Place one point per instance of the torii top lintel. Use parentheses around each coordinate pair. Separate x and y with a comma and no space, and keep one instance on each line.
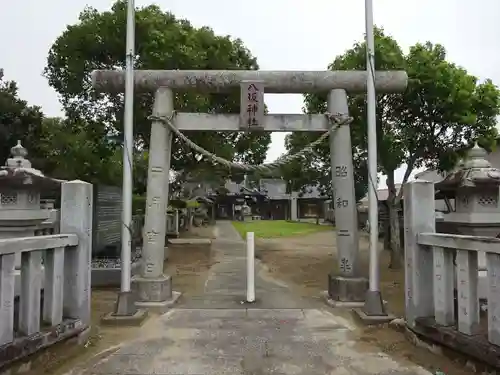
(284,82)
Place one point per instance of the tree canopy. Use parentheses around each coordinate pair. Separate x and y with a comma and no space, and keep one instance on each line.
(443,110)
(60,148)
(97,41)
(315,168)
(72,152)
(18,121)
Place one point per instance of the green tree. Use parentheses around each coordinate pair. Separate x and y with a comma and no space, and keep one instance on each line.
(18,121)
(215,177)
(70,152)
(59,148)
(97,41)
(315,168)
(140,173)
(443,109)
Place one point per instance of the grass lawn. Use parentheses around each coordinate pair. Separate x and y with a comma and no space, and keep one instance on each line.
(277,228)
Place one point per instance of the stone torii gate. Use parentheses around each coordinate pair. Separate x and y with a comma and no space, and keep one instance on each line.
(153,287)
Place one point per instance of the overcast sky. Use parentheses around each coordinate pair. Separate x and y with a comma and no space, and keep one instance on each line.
(283,34)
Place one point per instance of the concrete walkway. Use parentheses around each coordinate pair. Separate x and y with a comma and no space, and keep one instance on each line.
(215,333)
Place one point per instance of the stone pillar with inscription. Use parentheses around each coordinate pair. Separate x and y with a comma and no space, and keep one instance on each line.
(346,285)
(153,288)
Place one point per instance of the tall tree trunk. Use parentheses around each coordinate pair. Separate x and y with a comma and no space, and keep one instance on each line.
(387,233)
(396,259)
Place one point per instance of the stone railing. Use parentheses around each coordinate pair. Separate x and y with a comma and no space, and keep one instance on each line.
(441,271)
(37,318)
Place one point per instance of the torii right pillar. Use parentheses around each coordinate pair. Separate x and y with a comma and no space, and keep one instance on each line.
(346,286)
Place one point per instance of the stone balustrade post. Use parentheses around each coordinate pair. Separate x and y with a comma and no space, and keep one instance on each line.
(419,217)
(76,218)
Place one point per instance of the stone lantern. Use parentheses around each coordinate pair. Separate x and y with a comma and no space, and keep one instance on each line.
(20,186)
(475,186)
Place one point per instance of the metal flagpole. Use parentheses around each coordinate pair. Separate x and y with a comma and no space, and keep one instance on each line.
(373,303)
(125,305)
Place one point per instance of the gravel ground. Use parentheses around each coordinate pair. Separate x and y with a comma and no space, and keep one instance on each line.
(304,263)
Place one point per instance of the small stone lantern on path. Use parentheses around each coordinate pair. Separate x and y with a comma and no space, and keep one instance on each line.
(20,187)
(475,187)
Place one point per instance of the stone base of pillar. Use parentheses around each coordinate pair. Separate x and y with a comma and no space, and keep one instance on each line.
(374,310)
(126,312)
(125,304)
(154,294)
(347,289)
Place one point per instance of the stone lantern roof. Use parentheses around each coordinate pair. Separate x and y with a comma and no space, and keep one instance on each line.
(18,172)
(475,171)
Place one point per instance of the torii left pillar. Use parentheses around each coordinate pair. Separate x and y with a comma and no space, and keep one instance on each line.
(153,287)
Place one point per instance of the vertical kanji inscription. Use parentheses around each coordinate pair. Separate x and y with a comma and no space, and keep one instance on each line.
(252,105)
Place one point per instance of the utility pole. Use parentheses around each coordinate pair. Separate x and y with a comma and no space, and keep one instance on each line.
(126,304)
(373,303)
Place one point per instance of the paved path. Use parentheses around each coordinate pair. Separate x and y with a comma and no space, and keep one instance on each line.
(216,334)
(226,283)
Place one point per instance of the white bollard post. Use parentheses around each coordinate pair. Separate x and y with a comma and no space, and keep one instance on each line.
(250,267)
